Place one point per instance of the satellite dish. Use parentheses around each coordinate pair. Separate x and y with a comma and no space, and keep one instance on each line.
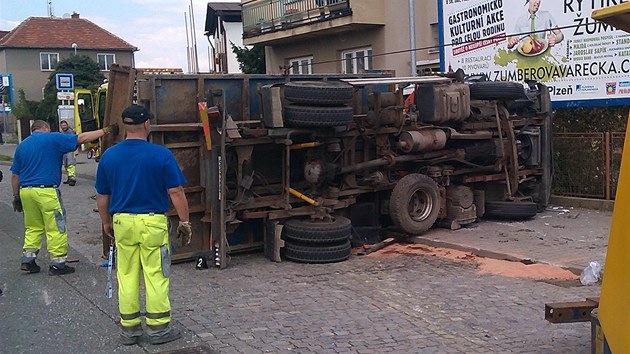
(66,15)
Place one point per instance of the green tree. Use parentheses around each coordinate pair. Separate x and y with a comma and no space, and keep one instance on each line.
(250,60)
(86,75)
(24,108)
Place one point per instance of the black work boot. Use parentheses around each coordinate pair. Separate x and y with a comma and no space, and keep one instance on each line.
(170,336)
(72,181)
(57,270)
(132,340)
(66,181)
(30,267)
(130,335)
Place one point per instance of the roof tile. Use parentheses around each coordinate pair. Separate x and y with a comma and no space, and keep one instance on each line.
(55,32)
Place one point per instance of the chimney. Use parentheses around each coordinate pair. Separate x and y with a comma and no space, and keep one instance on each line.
(74,15)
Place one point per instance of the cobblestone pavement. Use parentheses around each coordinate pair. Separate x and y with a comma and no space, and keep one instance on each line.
(404,304)
(368,304)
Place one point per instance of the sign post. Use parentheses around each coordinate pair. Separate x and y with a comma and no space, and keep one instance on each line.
(5,91)
(64,81)
(65,85)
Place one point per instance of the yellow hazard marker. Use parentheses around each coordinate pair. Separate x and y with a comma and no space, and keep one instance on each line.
(617,16)
(203,116)
(614,305)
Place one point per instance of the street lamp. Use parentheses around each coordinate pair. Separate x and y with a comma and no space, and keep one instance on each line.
(75,46)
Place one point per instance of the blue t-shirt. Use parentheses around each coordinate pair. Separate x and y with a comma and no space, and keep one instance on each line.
(38,158)
(137,175)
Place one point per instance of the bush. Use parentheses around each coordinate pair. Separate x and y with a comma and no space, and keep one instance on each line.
(590,119)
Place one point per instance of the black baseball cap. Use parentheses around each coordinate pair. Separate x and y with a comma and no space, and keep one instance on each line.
(135,114)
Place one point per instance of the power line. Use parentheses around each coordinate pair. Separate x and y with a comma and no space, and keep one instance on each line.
(446,45)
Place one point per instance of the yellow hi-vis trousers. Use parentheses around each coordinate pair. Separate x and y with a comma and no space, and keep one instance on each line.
(70,164)
(142,247)
(71,170)
(44,214)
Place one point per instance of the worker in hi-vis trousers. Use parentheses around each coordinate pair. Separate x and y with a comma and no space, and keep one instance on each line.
(69,159)
(134,181)
(36,176)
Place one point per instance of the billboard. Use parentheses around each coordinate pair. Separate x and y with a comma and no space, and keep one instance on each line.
(582,61)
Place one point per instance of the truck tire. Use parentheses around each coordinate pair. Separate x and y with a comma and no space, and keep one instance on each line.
(496,90)
(310,231)
(317,254)
(312,117)
(415,203)
(318,93)
(510,210)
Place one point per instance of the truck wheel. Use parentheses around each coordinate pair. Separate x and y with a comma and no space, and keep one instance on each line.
(306,116)
(510,210)
(496,90)
(317,254)
(317,231)
(415,203)
(318,93)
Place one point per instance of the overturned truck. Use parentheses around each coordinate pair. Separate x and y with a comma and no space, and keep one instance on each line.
(301,165)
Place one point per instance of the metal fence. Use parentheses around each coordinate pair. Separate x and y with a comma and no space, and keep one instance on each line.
(587,164)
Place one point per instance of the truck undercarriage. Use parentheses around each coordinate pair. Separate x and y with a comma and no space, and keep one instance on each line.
(299,164)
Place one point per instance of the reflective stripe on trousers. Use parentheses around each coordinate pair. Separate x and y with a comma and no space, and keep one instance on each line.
(44,214)
(142,247)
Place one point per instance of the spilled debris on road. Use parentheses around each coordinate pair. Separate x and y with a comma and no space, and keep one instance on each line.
(485,265)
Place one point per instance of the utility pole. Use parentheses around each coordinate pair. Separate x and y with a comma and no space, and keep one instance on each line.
(50,9)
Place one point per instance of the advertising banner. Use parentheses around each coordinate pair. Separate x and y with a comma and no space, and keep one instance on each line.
(582,61)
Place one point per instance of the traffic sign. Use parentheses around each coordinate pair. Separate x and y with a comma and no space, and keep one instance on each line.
(62,95)
(64,81)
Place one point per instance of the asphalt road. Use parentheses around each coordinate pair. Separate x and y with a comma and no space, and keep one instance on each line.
(59,314)
(42,311)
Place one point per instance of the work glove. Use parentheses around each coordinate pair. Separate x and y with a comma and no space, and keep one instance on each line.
(112,128)
(17,203)
(184,233)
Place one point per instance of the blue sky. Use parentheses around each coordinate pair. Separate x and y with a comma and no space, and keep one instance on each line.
(155,27)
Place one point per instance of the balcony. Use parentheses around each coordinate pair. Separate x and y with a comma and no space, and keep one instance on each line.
(269,21)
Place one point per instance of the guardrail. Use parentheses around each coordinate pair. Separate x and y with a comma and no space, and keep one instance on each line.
(261,16)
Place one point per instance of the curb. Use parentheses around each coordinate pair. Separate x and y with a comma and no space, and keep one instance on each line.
(490,254)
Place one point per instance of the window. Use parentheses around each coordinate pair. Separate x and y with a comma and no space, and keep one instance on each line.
(302,65)
(105,60)
(434,39)
(357,60)
(48,61)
